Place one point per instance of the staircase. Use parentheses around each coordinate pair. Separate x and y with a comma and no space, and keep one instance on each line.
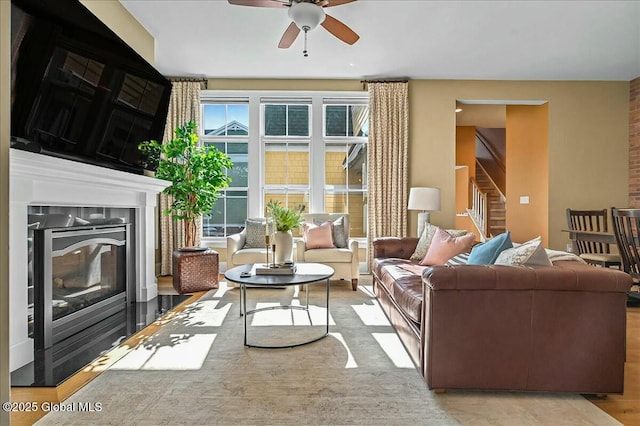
(496,211)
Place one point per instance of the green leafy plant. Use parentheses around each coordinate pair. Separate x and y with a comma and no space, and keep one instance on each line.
(196,173)
(286,219)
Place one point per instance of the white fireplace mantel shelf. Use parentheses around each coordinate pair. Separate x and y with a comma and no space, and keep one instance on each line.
(37,179)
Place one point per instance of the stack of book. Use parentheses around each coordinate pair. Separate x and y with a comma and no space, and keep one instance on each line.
(278,269)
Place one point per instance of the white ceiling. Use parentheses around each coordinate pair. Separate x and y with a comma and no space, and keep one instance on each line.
(503,40)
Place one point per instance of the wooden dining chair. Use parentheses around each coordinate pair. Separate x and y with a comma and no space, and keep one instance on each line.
(593,252)
(626,228)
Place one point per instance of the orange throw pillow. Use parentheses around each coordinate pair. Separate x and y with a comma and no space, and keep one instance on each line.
(443,247)
(318,236)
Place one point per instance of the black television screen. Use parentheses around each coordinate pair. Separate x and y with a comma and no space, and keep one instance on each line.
(78,91)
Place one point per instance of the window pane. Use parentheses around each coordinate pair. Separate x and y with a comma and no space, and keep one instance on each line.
(275,120)
(226,119)
(298,123)
(238,119)
(236,213)
(359,120)
(214,119)
(239,172)
(336,120)
(354,204)
(287,164)
(235,205)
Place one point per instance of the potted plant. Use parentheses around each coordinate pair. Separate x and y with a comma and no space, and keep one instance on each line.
(286,220)
(196,174)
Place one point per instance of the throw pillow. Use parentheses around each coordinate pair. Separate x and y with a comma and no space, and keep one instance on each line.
(529,253)
(458,259)
(256,231)
(486,253)
(338,232)
(317,236)
(424,242)
(443,247)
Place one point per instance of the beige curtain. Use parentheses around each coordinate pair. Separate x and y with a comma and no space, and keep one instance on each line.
(387,159)
(184,106)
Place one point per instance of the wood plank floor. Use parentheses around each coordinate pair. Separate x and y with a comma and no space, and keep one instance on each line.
(625,408)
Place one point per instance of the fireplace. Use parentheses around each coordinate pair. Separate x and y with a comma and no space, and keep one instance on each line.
(38,180)
(80,278)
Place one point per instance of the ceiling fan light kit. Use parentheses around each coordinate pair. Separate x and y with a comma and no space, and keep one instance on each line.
(306,15)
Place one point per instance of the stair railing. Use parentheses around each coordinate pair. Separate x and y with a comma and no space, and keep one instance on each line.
(491,181)
(479,209)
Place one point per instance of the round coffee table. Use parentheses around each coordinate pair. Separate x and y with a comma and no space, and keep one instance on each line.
(306,273)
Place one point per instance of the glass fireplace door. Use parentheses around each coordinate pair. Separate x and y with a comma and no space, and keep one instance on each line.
(80,278)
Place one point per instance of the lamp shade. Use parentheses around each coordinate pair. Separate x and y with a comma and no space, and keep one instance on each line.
(425,199)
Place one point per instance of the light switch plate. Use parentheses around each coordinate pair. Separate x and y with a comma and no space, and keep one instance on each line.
(524,199)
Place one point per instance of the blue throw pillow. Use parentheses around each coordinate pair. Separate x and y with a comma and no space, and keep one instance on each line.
(486,253)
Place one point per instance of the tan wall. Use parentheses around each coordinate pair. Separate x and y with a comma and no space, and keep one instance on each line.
(5,126)
(266,84)
(527,167)
(588,139)
(121,22)
(634,144)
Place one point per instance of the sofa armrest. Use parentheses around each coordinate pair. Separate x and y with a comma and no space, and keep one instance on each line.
(235,242)
(401,248)
(564,276)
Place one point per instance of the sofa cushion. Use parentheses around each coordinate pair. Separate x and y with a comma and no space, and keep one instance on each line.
(250,255)
(424,242)
(529,253)
(338,231)
(486,253)
(317,236)
(403,281)
(328,255)
(443,247)
(256,230)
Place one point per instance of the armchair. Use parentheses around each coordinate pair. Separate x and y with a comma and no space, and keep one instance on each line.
(248,245)
(343,258)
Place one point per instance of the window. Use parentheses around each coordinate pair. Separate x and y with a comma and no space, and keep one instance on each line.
(226,127)
(345,182)
(305,148)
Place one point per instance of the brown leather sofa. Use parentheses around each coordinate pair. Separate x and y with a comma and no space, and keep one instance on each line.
(554,328)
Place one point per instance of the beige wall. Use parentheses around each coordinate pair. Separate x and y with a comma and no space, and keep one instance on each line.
(588,139)
(5,83)
(121,22)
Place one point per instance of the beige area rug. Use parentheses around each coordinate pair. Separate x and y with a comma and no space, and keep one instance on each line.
(196,371)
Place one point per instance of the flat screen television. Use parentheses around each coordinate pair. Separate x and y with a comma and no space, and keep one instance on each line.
(78,91)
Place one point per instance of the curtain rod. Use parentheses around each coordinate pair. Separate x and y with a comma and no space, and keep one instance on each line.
(384,81)
(197,80)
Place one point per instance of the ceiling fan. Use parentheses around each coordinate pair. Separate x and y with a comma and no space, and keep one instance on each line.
(306,15)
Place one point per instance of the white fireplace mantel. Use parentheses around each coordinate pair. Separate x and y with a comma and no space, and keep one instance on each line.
(37,179)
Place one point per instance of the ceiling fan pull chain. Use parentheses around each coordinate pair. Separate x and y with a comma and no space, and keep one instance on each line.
(304,52)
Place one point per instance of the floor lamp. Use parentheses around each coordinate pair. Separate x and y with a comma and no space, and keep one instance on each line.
(425,200)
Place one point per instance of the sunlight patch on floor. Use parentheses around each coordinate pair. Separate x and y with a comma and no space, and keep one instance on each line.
(392,346)
(351,362)
(205,314)
(371,314)
(286,317)
(181,352)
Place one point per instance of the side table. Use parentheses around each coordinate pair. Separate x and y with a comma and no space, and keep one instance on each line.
(195,270)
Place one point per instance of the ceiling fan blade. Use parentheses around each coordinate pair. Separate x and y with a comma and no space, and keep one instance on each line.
(259,3)
(337,2)
(340,30)
(289,36)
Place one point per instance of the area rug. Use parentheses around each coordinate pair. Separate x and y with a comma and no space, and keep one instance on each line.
(196,371)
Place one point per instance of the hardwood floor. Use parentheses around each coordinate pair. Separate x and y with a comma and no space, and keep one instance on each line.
(625,408)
